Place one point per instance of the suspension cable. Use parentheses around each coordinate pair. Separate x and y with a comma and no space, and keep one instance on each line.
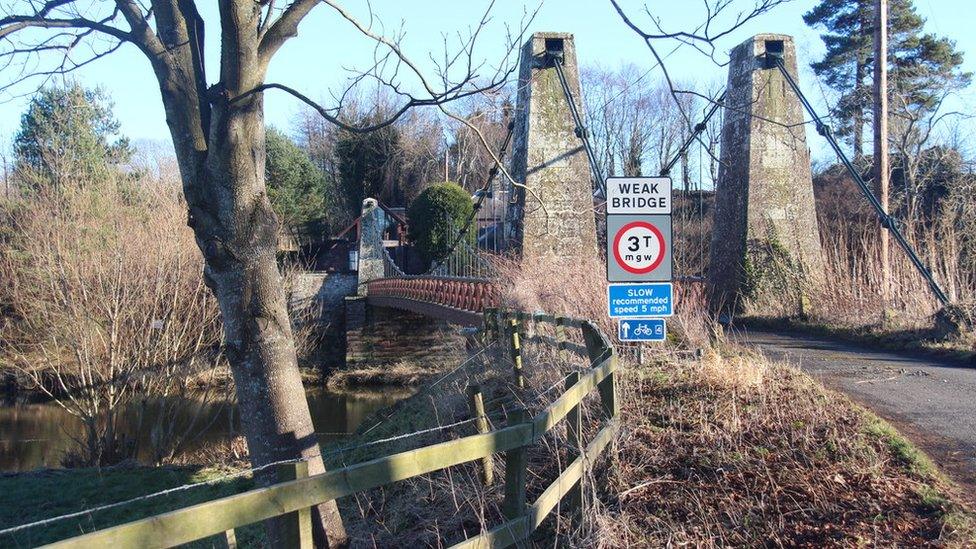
(887,221)
(483,192)
(699,128)
(557,58)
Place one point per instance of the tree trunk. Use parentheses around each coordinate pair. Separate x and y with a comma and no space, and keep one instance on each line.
(239,241)
(881,134)
(219,138)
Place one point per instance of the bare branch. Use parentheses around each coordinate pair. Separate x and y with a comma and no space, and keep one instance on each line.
(389,54)
(284,28)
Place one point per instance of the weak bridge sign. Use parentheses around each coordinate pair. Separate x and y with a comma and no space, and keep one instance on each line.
(639,195)
(639,253)
(639,229)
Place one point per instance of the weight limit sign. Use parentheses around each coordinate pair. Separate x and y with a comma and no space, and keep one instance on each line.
(639,248)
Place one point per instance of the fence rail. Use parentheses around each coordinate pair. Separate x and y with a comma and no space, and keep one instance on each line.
(296,497)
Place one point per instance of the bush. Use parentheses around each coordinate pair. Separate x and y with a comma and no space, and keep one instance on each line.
(436,216)
(104,305)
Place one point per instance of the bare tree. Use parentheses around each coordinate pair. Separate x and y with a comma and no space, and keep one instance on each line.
(106,308)
(490,114)
(718,19)
(218,135)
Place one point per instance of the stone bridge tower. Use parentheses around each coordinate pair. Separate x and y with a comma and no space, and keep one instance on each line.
(766,242)
(554,217)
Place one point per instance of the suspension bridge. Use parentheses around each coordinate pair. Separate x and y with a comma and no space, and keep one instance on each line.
(551,191)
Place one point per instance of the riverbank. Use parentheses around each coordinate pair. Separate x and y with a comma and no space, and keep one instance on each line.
(404,373)
(730,449)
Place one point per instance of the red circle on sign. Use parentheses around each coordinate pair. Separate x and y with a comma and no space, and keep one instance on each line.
(616,247)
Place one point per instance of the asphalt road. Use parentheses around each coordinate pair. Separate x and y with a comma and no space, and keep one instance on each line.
(932,402)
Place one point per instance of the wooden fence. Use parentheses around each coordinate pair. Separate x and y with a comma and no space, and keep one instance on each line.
(296,497)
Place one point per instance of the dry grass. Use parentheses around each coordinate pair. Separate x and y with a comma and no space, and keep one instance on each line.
(578,288)
(405,373)
(852,305)
(853,261)
(740,451)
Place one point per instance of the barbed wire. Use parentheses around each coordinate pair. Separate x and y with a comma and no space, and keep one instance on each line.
(252,470)
(146,497)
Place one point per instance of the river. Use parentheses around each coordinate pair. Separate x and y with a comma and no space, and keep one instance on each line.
(37,435)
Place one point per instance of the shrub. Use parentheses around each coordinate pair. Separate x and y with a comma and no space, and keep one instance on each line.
(105,305)
(436,216)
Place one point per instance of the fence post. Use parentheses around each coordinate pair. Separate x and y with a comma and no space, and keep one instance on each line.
(227,541)
(298,532)
(490,325)
(516,463)
(561,336)
(574,431)
(598,350)
(477,405)
(513,328)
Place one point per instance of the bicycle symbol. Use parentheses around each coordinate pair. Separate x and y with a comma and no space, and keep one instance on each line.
(643,330)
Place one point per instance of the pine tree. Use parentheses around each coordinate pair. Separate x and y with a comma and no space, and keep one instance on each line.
(68,137)
(299,191)
(922,66)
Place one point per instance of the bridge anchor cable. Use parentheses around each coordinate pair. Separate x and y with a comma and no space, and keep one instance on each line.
(556,58)
(887,221)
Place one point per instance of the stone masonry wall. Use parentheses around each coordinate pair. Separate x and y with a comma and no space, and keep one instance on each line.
(549,158)
(376,336)
(319,298)
(765,216)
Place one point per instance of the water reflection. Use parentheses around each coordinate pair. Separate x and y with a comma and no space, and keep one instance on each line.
(36,435)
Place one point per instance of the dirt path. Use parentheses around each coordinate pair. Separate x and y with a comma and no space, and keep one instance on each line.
(930,401)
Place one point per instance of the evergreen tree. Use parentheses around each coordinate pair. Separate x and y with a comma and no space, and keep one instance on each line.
(922,66)
(68,137)
(298,189)
(364,164)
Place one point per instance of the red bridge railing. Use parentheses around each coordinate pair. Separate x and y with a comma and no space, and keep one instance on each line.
(462,295)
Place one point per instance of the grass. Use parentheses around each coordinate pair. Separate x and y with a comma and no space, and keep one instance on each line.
(918,340)
(734,450)
(26,497)
(900,447)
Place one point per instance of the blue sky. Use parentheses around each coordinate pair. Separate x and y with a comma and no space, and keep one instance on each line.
(314,62)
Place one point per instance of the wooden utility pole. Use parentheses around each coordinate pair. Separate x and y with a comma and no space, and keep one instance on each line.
(881,133)
(6,177)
